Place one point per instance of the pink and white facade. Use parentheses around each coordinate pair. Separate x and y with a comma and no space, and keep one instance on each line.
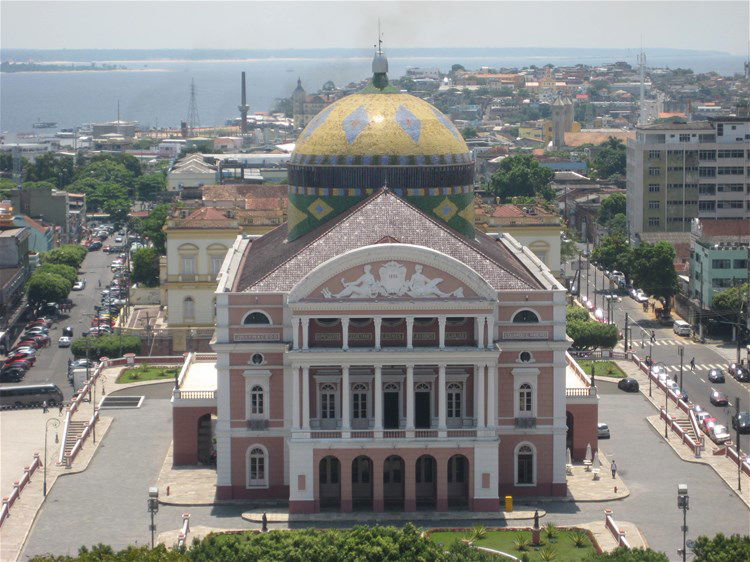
(384,361)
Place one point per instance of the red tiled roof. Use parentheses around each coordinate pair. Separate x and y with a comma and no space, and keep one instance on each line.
(274,264)
(725,227)
(204,217)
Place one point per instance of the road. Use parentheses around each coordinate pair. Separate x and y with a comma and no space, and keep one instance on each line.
(665,350)
(52,362)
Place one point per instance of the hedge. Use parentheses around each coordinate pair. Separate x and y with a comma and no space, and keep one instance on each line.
(105,346)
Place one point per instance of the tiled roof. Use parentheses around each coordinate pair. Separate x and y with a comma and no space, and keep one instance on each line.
(725,227)
(595,137)
(241,191)
(273,264)
(204,217)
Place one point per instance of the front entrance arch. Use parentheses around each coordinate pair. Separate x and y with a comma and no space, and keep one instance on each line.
(362,484)
(393,483)
(426,482)
(329,481)
(458,482)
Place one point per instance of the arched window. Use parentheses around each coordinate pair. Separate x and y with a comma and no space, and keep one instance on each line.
(525,465)
(256,318)
(359,401)
(257,400)
(455,390)
(188,307)
(526,317)
(391,387)
(525,398)
(327,401)
(257,467)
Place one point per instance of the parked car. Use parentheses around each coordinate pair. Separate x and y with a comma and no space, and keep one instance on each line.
(716,375)
(742,374)
(43,322)
(12,374)
(22,355)
(64,341)
(96,245)
(700,416)
(38,330)
(718,398)
(641,297)
(28,342)
(719,434)
(708,423)
(17,363)
(628,384)
(78,363)
(118,239)
(42,339)
(79,285)
(25,349)
(741,422)
(602,431)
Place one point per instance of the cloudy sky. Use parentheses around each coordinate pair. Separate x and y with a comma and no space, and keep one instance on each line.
(705,25)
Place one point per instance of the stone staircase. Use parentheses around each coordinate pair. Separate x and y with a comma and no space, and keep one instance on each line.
(75,429)
(687,427)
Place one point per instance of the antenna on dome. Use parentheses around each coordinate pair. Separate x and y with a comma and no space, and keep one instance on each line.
(379,64)
(380,39)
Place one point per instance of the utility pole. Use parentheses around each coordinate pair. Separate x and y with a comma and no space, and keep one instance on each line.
(737,441)
(681,350)
(700,312)
(627,318)
(594,289)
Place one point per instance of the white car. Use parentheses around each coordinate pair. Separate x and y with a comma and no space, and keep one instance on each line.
(64,341)
(641,297)
(719,433)
(79,285)
(118,239)
(702,415)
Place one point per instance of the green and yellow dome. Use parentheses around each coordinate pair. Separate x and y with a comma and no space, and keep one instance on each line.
(378,138)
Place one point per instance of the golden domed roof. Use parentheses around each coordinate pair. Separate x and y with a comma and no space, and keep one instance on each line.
(372,125)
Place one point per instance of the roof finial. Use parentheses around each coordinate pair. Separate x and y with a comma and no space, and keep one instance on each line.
(379,64)
(380,39)
(385,182)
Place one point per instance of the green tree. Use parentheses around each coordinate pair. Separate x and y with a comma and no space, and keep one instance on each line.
(522,176)
(145,144)
(609,160)
(146,267)
(590,334)
(109,172)
(728,300)
(469,133)
(618,225)
(151,227)
(99,192)
(652,269)
(148,186)
(613,253)
(105,346)
(128,160)
(722,548)
(576,313)
(456,67)
(622,554)
(58,169)
(65,271)
(67,254)
(611,205)
(47,287)
(6,185)
(118,210)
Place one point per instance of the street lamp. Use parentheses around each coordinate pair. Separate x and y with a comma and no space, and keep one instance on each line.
(683,503)
(153,509)
(55,423)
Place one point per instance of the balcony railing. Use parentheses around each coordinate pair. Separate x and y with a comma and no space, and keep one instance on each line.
(393,434)
(194,394)
(573,392)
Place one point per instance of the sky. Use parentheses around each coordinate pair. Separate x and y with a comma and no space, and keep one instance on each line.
(703,25)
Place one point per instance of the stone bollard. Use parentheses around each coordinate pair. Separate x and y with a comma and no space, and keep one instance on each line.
(186,521)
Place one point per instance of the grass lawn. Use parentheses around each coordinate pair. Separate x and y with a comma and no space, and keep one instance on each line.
(603,368)
(503,541)
(146,373)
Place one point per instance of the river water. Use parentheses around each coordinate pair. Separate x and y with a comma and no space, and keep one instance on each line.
(156,93)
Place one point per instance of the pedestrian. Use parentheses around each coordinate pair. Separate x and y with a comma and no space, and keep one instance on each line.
(614,469)
(692,364)
(61,405)
(45,409)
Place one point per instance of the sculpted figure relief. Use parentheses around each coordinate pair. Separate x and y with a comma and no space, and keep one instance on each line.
(392,283)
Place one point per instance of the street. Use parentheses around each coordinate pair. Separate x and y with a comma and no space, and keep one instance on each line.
(665,350)
(52,362)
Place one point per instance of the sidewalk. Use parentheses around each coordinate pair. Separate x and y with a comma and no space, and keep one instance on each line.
(724,467)
(186,485)
(18,424)
(279,515)
(583,488)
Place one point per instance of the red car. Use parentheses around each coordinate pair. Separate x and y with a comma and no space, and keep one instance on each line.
(25,356)
(708,423)
(43,322)
(17,363)
(30,342)
(41,339)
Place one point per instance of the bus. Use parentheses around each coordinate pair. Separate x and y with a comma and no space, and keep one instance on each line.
(30,395)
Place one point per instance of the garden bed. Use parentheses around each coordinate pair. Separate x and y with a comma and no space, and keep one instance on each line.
(603,368)
(146,373)
(509,540)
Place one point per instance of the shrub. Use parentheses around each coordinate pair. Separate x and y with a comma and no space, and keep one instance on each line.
(548,553)
(521,542)
(579,539)
(105,346)
(551,531)
(64,271)
(478,532)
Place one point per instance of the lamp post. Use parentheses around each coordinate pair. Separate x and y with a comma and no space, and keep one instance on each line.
(55,423)
(153,509)
(683,503)
(650,366)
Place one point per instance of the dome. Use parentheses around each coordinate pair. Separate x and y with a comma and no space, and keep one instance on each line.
(374,139)
(375,125)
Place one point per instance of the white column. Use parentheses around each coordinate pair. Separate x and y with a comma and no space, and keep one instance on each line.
(295,332)
(345,388)
(409,332)
(305,397)
(378,392)
(409,397)
(480,332)
(479,395)
(490,331)
(295,397)
(305,331)
(345,334)
(441,324)
(377,321)
(491,395)
(441,398)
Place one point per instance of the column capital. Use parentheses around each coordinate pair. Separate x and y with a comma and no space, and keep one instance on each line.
(442,319)
(409,319)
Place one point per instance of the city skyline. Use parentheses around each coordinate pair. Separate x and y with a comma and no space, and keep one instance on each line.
(300,25)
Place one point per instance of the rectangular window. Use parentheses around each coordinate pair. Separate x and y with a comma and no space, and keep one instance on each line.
(706,172)
(707,138)
(721,283)
(454,404)
(653,204)
(675,169)
(740,264)
(188,265)
(729,204)
(731,153)
(654,171)
(654,188)
(216,262)
(707,189)
(707,154)
(327,405)
(731,170)
(721,264)
(359,405)
(707,206)
(653,221)
(730,187)
(720,129)
(654,154)
(684,137)
(257,470)
(675,185)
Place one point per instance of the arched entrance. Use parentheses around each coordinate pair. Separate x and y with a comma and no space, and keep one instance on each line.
(205,437)
(569,434)
(393,483)
(329,481)
(458,482)
(362,484)
(426,482)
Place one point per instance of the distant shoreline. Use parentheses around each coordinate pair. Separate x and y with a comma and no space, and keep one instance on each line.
(98,71)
